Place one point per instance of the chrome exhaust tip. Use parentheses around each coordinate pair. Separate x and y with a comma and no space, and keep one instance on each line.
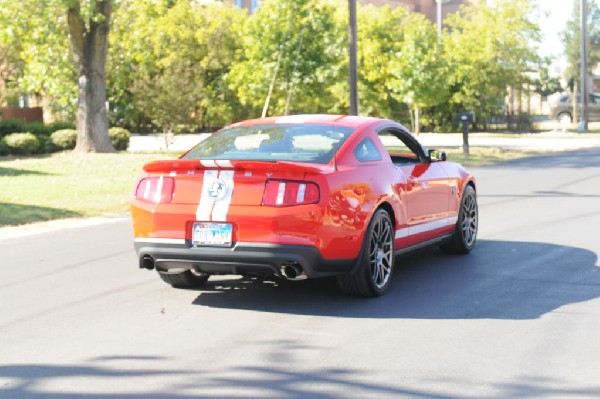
(293,272)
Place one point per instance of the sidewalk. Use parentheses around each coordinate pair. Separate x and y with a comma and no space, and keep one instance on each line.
(546,141)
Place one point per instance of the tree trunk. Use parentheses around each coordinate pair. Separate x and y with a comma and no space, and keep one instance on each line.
(90,45)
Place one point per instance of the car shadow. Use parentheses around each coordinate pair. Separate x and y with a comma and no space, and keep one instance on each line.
(498,280)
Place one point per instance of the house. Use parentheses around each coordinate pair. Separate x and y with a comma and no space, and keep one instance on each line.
(426,7)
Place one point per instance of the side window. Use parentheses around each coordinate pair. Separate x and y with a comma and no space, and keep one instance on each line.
(399,150)
(366,151)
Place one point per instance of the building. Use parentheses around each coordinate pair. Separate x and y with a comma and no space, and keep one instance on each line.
(426,7)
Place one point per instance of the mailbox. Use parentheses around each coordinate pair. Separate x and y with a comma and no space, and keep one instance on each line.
(465,117)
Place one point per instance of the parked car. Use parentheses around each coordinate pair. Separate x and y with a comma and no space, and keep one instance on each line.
(301,197)
(562,110)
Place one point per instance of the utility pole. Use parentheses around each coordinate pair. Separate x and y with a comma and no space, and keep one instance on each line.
(352,50)
(439,19)
(583,121)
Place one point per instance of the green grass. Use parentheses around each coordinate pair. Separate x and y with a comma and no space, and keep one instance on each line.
(480,156)
(68,185)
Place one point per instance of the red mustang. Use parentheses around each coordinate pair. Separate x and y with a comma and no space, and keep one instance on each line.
(301,196)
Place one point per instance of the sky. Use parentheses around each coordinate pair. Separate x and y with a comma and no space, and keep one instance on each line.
(559,12)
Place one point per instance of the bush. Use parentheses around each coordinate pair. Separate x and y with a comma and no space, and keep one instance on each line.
(61,126)
(119,137)
(64,139)
(11,126)
(3,148)
(22,143)
(38,128)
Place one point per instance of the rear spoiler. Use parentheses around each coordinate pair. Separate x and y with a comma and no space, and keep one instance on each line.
(184,165)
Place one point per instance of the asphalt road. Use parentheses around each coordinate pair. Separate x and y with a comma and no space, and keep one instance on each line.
(518,317)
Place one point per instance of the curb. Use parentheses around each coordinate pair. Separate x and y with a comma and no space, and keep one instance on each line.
(27,230)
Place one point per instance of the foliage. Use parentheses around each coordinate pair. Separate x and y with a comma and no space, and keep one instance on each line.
(37,34)
(186,65)
(11,126)
(399,62)
(292,54)
(489,49)
(22,143)
(119,137)
(545,85)
(37,128)
(181,52)
(572,43)
(64,139)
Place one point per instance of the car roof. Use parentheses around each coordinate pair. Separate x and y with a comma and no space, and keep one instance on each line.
(319,119)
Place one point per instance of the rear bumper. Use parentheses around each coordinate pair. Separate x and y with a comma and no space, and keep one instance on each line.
(171,255)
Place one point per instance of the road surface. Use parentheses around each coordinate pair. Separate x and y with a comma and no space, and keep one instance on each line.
(518,317)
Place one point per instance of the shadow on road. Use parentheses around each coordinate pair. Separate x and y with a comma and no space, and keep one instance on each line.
(111,379)
(498,280)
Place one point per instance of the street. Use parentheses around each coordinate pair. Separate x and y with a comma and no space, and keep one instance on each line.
(518,317)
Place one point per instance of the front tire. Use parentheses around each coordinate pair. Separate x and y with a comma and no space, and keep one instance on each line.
(465,233)
(372,276)
(186,279)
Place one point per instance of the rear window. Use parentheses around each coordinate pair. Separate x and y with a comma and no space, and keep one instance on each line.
(273,142)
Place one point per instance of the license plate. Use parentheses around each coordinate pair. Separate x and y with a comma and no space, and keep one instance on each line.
(208,233)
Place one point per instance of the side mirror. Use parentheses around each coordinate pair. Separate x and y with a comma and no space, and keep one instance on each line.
(435,155)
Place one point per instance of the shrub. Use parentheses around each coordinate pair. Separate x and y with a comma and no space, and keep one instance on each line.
(22,143)
(61,126)
(11,126)
(38,128)
(3,148)
(64,139)
(119,137)
(46,145)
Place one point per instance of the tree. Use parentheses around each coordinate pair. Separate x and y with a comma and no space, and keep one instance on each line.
(183,51)
(88,30)
(44,30)
(544,84)
(39,58)
(571,38)
(489,48)
(292,54)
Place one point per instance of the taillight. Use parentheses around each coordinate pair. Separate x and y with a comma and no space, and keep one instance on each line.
(289,192)
(157,190)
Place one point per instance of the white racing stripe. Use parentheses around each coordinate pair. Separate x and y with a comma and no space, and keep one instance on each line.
(210,209)
(206,203)
(220,209)
(425,227)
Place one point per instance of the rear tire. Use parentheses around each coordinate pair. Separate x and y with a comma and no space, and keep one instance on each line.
(465,233)
(372,276)
(186,279)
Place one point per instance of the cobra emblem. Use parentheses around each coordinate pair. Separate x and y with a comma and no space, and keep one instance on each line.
(218,190)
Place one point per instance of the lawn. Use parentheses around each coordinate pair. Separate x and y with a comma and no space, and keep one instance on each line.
(67,185)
